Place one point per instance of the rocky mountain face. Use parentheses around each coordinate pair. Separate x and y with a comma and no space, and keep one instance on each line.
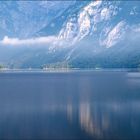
(106,21)
(89,34)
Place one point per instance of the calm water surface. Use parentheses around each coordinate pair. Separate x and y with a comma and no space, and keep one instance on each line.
(70,105)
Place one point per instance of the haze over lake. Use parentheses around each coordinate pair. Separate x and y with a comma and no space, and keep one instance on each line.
(70,105)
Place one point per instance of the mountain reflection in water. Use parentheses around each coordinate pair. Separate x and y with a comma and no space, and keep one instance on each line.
(71,105)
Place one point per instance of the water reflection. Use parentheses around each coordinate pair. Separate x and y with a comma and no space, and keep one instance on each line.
(88,122)
(79,105)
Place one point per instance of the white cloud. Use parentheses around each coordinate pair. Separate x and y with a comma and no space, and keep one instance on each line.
(50,40)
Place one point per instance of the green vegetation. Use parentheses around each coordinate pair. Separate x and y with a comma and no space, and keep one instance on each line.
(1,66)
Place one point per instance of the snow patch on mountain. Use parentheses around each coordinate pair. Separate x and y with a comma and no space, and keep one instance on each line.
(86,21)
(115,35)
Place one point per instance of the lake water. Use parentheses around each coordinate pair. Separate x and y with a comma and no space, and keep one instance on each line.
(70,105)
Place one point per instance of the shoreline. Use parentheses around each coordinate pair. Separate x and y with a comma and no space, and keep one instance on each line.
(51,70)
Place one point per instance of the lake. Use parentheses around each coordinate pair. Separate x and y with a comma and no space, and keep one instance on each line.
(70,105)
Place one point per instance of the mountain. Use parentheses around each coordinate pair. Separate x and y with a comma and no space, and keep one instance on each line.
(81,34)
(23,19)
